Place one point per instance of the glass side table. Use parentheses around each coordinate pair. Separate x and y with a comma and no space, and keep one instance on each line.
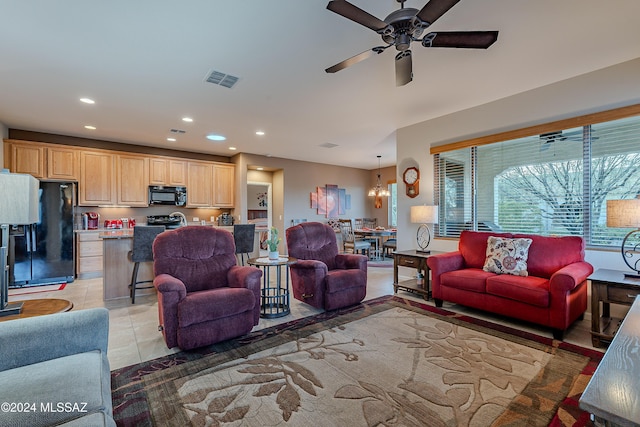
(274,295)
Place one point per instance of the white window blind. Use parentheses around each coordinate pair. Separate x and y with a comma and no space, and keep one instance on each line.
(556,183)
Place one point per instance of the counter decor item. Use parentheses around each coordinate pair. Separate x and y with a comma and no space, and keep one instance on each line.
(273,243)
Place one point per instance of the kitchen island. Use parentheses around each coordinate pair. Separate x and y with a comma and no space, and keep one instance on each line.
(117,268)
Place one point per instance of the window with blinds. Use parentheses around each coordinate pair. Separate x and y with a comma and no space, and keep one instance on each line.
(554,183)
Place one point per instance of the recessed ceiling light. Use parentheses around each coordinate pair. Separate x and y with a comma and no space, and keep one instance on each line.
(187,119)
(90,127)
(232,148)
(171,139)
(215,137)
(260,169)
(87,100)
(259,132)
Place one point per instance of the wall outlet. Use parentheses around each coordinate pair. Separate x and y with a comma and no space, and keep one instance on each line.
(196,219)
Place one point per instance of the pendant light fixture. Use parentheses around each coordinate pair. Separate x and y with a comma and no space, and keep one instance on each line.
(378,190)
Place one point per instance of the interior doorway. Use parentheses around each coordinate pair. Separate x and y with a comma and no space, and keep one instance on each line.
(260,209)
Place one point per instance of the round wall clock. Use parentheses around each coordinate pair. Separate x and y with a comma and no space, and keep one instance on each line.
(411,178)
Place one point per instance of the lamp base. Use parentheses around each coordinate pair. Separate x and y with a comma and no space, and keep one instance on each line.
(12,308)
(631,276)
(423,251)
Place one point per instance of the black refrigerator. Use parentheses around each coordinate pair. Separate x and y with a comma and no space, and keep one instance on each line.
(43,253)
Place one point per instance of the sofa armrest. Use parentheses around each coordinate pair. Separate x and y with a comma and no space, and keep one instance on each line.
(351,261)
(37,339)
(570,276)
(165,283)
(441,263)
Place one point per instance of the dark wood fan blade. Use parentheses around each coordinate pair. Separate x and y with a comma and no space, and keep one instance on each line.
(461,39)
(404,68)
(354,60)
(434,9)
(354,13)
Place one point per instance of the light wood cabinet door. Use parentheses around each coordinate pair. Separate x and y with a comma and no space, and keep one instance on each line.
(28,158)
(158,171)
(223,189)
(97,184)
(63,163)
(132,180)
(167,172)
(178,173)
(200,182)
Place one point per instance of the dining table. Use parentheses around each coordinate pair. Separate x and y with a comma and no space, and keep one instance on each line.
(377,234)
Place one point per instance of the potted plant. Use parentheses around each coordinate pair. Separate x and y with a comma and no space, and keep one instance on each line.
(273,242)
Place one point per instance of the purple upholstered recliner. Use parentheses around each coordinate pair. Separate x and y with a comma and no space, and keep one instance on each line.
(203,296)
(322,277)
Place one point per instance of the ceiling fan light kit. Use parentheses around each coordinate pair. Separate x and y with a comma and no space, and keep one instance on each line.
(404,26)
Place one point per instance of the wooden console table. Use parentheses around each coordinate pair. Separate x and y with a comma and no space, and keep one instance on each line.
(609,286)
(417,260)
(613,393)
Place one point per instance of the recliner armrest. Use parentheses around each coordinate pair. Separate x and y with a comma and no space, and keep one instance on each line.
(351,261)
(166,283)
(570,276)
(36,339)
(244,277)
(309,264)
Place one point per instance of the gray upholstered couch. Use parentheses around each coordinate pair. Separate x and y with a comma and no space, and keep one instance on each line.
(54,370)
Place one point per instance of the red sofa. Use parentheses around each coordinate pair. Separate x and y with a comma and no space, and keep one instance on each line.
(553,294)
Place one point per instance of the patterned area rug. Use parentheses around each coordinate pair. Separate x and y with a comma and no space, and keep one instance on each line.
(388,361)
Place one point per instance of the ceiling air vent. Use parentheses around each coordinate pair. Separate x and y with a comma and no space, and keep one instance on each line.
(222,79)
(328,145)
(178,131)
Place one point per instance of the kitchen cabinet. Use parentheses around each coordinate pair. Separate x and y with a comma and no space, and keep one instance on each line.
(223,185)
(166,171)
(199,184)
(63,163)
(89,255)
(132,178)
(28,158)
(43,161)
(97,184)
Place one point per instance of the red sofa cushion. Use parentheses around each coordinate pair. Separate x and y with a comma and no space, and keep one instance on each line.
(531,290)
(549,254)
(473,247)
(469,279)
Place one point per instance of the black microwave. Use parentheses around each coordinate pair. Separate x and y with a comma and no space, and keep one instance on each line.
(164,195)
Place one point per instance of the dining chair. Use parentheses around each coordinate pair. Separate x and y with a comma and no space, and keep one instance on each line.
(358,223)
(369,222)
(349,241)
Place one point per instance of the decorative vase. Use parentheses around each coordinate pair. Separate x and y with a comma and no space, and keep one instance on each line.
(274,255)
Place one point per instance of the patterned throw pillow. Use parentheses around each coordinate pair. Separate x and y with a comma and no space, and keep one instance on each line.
(507,256)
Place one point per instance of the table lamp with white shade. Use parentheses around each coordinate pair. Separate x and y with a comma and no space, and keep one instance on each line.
(626,214)
(424,215)
(19,205)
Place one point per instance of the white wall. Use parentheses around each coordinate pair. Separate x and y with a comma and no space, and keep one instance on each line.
(601,90)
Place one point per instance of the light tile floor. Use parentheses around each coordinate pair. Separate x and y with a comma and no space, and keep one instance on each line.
(134,335)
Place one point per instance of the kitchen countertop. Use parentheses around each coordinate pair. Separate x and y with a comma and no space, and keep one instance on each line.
(127,233)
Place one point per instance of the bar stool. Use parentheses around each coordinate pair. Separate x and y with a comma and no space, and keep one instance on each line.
(244,236)
(143,237)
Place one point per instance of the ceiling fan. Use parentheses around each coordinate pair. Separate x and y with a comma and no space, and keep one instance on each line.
(404,26)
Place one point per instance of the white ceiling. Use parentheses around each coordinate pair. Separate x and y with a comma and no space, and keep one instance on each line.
(145,62)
